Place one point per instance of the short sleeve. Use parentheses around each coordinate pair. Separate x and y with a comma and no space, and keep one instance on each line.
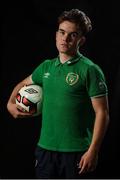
(95,82)
(37,75)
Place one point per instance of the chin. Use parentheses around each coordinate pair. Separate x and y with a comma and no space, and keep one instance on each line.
(63,50)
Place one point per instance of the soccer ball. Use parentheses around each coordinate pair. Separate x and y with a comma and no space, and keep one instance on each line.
(30,99)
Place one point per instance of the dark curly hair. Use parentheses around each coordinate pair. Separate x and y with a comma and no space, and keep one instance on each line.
(79,18)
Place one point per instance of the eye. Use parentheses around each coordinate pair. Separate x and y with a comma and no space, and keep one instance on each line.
(61,32)
(74,35)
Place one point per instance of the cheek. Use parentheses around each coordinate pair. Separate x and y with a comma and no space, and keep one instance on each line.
(57,44)
(76,42)
(57,40)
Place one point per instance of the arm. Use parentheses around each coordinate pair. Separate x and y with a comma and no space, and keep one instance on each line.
(100,106)
(89,159)
(11,105)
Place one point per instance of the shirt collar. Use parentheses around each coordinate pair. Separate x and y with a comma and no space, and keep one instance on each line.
(70,61)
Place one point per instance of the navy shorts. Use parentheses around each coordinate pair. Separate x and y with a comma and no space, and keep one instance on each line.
(59,165)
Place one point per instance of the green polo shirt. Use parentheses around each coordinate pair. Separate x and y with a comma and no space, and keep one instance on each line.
(67,115)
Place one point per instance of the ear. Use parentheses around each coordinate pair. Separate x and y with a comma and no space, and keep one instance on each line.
(82,40)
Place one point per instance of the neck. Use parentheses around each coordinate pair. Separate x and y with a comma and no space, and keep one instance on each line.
(65,57)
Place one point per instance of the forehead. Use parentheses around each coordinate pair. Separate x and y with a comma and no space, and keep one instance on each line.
(68,26)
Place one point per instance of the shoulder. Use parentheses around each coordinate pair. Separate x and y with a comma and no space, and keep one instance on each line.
(90,64)
(48,62)
(88,68)
(87,61)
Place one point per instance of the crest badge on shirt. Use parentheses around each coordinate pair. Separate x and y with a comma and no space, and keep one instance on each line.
(102,85)
(72,78)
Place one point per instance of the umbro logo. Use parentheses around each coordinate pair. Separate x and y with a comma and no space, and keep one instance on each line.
(46,75)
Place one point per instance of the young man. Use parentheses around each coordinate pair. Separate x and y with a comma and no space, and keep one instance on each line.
(75,107)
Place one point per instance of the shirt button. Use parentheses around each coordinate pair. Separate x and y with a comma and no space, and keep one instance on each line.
(68,62)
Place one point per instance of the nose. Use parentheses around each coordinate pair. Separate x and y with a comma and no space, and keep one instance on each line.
(66,38)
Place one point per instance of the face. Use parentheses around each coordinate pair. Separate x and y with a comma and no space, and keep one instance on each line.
(67,38)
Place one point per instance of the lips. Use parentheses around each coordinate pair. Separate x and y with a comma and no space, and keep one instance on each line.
(64,45)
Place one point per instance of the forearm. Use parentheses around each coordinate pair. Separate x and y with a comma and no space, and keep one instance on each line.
(14,93)
(100,127)
(26,81)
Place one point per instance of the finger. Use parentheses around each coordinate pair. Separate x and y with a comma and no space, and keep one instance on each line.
(83,169)
(24,115)
(81,163)
(20,109)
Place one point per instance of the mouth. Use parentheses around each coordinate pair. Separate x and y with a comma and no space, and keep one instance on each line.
(64,45)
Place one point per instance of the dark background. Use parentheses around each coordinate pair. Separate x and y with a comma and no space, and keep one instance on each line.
(28,37)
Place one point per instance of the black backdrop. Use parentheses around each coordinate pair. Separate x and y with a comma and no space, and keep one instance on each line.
(28,37)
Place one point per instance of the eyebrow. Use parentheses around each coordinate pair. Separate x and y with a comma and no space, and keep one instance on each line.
(70,32)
